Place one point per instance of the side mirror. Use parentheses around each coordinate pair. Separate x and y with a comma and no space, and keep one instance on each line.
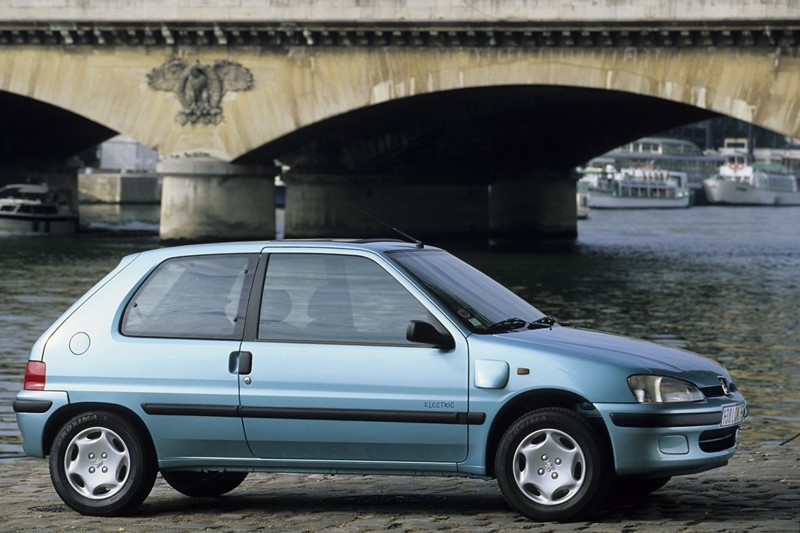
(424,332)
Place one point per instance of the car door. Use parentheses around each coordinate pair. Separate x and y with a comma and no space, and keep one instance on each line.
(176,336)
(333,377)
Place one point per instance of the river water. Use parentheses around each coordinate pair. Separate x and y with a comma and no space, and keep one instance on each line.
(720,281)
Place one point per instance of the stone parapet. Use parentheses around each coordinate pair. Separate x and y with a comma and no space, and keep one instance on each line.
(371,11)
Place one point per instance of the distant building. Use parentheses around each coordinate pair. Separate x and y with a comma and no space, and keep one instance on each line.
(124,154)
(126,173)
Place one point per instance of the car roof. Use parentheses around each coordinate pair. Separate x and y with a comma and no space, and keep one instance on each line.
(372,245)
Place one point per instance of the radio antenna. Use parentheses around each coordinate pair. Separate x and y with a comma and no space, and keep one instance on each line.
(396,230)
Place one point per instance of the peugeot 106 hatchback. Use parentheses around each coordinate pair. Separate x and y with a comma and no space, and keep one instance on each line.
(209,362)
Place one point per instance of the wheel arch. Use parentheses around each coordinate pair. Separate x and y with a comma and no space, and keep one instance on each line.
(61,416)
(536,399)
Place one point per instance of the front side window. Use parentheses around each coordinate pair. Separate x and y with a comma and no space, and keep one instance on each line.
(201,297)
(476,299)
(335,298)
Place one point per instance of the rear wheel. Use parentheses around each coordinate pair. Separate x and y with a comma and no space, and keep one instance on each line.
(551,465)
(100,465)
(203,484)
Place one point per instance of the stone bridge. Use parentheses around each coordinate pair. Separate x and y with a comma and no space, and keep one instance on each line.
(449,118)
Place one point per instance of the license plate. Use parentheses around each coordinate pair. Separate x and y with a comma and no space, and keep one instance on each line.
(732,415)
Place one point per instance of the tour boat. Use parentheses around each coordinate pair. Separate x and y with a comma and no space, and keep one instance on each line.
(35,208)
(636,188)
(663,153)
(741,183)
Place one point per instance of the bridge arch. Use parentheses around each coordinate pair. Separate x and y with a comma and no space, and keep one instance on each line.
(300,86)
(307,69)
(476,134)
(37,131)
(38,142)
(301,95)
(743,84)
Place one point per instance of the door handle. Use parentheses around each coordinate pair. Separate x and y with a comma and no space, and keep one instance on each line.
(240,363)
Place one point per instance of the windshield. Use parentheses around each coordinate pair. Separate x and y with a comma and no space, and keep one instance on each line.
(477,300)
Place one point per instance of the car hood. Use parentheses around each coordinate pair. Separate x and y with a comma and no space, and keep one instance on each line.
(636,354)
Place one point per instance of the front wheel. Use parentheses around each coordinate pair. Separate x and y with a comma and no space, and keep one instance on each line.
(551,465)
(203,484)
(100,465)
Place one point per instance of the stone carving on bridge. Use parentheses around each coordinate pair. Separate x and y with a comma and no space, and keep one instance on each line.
(199,87)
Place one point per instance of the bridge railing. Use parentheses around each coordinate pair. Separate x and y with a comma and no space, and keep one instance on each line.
(412,11)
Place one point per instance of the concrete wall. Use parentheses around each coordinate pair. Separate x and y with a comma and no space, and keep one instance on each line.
(116,188)
(398,10)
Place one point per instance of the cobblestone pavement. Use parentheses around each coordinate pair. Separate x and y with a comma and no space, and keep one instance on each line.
(759,491)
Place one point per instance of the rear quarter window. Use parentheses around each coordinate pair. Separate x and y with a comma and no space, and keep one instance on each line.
(199,297)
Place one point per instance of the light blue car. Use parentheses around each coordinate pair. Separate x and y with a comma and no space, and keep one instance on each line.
(208,362)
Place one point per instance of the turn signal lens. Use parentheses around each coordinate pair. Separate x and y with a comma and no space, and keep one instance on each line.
(663,389)
(34,375)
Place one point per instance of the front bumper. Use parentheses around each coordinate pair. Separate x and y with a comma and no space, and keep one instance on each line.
(33,410)
(671,439)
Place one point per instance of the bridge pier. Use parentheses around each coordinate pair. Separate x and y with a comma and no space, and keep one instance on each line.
(523,213)
(204,199)
(324,206)
(533,212)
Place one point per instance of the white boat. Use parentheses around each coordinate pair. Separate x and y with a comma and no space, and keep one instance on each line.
(666,154)
(35,208)
(741,183)
(636,188)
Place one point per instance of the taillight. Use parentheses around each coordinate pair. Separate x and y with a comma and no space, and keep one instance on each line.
(34,375)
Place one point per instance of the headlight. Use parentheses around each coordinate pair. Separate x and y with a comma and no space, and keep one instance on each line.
(663,389)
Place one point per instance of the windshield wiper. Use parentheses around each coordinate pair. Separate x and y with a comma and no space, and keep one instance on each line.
(544,322)
(506,325)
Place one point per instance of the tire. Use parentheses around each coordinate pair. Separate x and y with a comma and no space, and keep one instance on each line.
(100,465)
(552,465)
(203,484)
